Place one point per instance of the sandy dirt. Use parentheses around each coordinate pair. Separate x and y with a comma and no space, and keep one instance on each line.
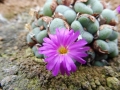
(10,8)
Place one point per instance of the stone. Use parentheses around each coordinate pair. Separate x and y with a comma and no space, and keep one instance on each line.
(101,88)
(93,85)
(86,85)
(11,70)
(1,38)
(113,83)
(97,82)
(109,71)
(7,81)
(3,20)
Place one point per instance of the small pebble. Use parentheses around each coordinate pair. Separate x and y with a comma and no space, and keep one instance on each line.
(12,59)
(1,38)
(15,47)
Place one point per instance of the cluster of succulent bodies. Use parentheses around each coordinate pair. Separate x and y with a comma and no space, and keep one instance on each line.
(96,23)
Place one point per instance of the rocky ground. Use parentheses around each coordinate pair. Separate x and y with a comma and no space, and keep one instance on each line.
(20,70)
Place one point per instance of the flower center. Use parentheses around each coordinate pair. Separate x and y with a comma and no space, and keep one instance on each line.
(62,50)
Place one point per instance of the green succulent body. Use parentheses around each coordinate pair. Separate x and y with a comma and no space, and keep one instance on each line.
(62,9)
(105,33)
(40,22)
(87,36)
(97,7)
(36,52)
(42,34)
(82,8)
(76,25)
(47,9)
(93,27)
(113,35)
(70,15)
(102,45)
(56,23)
(84,21)
(89,17)
(28,38)
(112,46)
(107,17)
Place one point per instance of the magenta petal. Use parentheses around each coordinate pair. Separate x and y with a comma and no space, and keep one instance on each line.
(80,60)
(50,58)
(54,39)
(62,68)
(80,54)
(56,68)
(51,54)
(68,73)
(71,63)
(46,52)
(63,62)
(75,36)
(49,41)
(66,61)
(72,38)
(73,66)
(77,58)
(84,48)
(51,64)
(118,9)
(78,44)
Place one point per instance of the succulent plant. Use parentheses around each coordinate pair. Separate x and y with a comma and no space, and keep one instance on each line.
(95,22)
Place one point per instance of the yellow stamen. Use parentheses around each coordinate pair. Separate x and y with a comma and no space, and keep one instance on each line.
(62,50)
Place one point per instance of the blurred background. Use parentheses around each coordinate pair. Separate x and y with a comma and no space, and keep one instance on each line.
(11,8)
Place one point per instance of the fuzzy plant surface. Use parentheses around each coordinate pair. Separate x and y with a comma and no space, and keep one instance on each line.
(66,32)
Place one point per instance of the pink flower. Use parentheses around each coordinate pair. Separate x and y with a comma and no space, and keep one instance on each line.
(62,49)
(118,9)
